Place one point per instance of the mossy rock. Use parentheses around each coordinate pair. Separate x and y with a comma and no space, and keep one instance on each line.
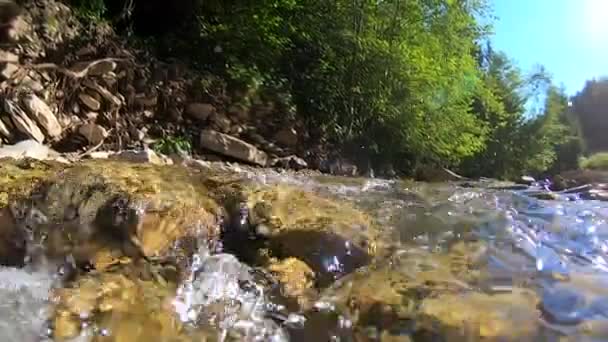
(329,235)
(390,292)
(123,305)
(140,209)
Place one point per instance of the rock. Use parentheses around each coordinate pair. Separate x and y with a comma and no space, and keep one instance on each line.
(28,148)
(232,147)
(94,133)
(290,162)
(105,94)
(527,180)
(7,70)
(22,122)
(120,303)
(31,83)
(147,156)
(224,291)
(332,229)
(5,131)
(101,204)
(287,137)
(146,101)
(296,279)
(100,154)
(89,101)
(221,123)
(102,67)
(8,57)
(239,112)
(200,111)
(42,113)
(505,315)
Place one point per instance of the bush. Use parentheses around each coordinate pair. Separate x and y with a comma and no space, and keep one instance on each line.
(598,161)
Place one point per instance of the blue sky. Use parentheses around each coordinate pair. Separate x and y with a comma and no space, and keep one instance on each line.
(568,37)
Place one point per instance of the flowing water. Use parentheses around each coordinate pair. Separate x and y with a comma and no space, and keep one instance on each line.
(463,262)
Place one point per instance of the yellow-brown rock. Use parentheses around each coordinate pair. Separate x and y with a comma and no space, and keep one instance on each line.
(126,308)
(296,279)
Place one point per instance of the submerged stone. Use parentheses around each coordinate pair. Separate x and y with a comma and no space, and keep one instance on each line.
(338,237)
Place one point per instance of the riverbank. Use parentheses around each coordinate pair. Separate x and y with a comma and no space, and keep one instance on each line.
(79,89)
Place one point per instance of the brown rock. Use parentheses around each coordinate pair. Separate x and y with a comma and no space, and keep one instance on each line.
(239,112)
(89,101)
(102,68)
(94,134)
(200,111)
(42,113)
(22,122)
(287,137)
(103,92)
(7,70)
(8,57)
(232,147)
(295,276)
(143,156)
(221,123)
(4,131)
(146,101)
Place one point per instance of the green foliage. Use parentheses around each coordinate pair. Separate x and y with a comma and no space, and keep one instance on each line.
(171,145)
(598,161)
(93,10)
(590,109)
(403,81)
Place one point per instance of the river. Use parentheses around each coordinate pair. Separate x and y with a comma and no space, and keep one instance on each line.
(467,261)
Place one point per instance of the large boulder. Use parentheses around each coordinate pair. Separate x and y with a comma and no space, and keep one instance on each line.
(232,147)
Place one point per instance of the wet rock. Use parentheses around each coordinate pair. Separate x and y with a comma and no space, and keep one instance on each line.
(233,147)
(506,315)
(527,180)
(296,279)
(120,304)
(287,137)
(94,133)
(12,241)
(339,237)
(138,208)
(22,122)
(200,111)
(42,113)
(28,149)
(224,293)
(89,101)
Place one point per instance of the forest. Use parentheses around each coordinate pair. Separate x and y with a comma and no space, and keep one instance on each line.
(406,82)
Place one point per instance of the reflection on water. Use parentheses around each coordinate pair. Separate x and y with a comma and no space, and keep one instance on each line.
(459,262)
